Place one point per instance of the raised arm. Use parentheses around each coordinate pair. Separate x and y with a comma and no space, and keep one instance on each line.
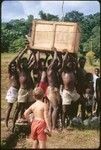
(32,61)
(14,59)
(47,55)
(60,61)
(30,57)
(22,53)
(54,58)
(64,59)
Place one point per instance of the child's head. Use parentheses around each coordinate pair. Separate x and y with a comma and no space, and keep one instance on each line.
(38,93)
(97,71)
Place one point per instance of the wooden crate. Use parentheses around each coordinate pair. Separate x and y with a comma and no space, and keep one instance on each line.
(61,35)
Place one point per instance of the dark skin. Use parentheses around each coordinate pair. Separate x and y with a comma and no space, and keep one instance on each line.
(69,64)
(81,79)
(68,84)
(89,90)
(35,72)
(81,75)
(39,69)
(14,82)
(24,67)
(60,68)
(97,71)
(43,71)
(42,66)
(53,77)
(98,94)
(52,72)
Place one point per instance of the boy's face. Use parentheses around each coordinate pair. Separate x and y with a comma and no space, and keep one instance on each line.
(97,72)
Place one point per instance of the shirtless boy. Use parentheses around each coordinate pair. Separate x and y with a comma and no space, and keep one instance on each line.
(25,90)
(68,94)
(12,93)
(40,121)
(53,89)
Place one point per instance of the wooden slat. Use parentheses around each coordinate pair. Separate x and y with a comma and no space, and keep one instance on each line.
(54,30)
(33,32)
(44,37)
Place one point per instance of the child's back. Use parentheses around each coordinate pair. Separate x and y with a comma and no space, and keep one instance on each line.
(40,121)
(38,109)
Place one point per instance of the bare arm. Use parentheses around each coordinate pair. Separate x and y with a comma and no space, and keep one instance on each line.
(32,60)
(14,59)
(64,60)
(22,52)
(46,117)
(27,112)
(38,56)
(60,61)
(47,55)
(43,75)
(54,58)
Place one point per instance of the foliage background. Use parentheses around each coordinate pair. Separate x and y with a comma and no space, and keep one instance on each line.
(13,32)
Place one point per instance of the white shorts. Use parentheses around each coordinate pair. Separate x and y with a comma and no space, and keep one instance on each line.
(68,96)
(12,95)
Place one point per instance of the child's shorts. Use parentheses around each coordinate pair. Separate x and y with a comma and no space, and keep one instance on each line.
(37,130)
(12,95)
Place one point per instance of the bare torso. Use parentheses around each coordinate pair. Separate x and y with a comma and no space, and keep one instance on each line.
(38,110)
(52,76)
(23,80)
(68,81)
(14,81)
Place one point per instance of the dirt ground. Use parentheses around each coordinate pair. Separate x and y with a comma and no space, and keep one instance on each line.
(79,139)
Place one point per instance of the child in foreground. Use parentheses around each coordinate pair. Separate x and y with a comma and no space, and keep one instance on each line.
(40,126)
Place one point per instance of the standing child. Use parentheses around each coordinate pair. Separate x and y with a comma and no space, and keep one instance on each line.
(40,125)
(68,95)
(12,93)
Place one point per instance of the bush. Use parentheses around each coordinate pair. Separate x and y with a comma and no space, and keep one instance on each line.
(17,44)
(90,56)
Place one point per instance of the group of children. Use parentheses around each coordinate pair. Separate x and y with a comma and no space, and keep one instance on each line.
(52,87)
